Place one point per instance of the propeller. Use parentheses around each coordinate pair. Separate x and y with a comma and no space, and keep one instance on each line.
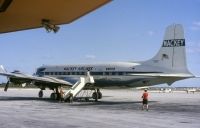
(7,85)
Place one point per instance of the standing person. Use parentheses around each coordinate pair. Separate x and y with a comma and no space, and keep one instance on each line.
(62,93)
(145,100)
(71,98)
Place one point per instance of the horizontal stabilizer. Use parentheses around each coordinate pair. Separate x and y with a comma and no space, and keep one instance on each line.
(180,75)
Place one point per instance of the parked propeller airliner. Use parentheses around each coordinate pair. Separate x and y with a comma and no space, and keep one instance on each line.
(167,66)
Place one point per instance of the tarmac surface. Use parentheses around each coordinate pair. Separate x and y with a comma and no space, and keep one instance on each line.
(20,108)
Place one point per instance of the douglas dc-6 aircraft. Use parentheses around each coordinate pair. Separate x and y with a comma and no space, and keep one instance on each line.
(167,66)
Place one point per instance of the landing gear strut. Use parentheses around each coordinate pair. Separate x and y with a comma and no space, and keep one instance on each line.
(55,95)
(40,94)
(97,94)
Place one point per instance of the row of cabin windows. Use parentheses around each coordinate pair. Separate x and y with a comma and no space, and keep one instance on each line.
(83,73)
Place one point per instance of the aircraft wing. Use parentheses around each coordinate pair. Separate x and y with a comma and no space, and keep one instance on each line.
(18,15)
(23,78)
(52,80)
(20,78)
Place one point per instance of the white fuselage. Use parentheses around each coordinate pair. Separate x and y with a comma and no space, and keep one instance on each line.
(105,75)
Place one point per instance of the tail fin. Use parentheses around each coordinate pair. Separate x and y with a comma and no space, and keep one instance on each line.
(172,53)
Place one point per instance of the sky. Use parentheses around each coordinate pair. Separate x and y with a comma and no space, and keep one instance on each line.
(122,30)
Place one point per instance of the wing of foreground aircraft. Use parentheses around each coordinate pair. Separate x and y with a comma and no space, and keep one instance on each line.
(18,15)
(20,78)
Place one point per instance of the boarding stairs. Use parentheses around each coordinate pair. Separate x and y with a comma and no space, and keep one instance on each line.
(78,86)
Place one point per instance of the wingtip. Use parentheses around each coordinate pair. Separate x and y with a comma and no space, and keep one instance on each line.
(2,69)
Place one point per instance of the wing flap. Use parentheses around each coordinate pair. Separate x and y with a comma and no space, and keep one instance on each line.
(51,80)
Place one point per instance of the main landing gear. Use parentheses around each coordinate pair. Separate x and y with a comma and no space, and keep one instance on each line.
(55,95)
(97,94)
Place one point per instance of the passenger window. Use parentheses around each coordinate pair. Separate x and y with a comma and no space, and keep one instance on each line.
(120,73)
(113,73)
(107,73)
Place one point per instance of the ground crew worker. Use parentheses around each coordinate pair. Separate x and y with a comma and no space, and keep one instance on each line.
(71,98)
(145,100)
(61,94)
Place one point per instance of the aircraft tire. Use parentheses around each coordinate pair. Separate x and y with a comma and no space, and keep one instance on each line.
(53,96)
(40,94)
(99,95)
(95,96)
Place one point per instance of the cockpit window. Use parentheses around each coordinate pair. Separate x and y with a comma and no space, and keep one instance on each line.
(40,71)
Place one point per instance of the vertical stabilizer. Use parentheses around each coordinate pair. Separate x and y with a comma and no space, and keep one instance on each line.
(172,53)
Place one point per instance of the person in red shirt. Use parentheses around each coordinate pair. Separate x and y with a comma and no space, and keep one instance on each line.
(145,100)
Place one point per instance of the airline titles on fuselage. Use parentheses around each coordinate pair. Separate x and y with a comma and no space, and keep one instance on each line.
(86,68)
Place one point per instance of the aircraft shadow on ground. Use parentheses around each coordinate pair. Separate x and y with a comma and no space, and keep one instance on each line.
(89,103)
(80,102)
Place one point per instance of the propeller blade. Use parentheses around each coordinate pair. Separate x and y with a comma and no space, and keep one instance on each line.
(7,85)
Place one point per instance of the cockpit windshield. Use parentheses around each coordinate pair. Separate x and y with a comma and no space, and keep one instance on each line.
(40,71)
